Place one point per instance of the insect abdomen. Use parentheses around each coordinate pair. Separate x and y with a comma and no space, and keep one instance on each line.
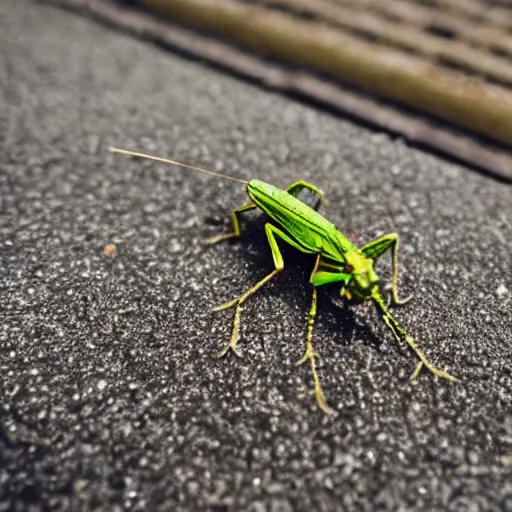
(308,227)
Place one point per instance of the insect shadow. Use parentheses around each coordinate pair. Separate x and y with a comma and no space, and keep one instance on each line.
(339,318)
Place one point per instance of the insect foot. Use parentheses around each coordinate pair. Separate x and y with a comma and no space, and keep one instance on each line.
(310,355)
(425,362)
(219,238)
(401,302)
(417,371)
(235,336)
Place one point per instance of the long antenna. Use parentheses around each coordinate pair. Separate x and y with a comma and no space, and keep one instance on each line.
(167,161)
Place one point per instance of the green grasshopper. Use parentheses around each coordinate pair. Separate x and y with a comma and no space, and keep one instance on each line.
(338,260)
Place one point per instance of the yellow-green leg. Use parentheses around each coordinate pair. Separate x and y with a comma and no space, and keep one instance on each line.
(399,333)
(422,357)
(310,355)
(236,225)
(376,248)
(272,232)
(235,334)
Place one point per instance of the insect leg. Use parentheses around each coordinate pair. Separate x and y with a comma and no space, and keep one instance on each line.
(297,190)
(271,231)
(235,334)
(376,248)
(310,355)
(400,333)
(236,225)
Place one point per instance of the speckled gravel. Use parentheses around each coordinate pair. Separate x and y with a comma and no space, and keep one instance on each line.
(111,396)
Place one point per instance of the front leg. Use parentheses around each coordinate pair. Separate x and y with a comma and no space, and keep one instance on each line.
(379,246)
(310,354)
(400,334)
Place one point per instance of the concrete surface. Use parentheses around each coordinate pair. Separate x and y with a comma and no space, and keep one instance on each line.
(111,396)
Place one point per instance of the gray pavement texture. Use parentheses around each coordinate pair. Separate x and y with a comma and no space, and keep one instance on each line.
(111,395)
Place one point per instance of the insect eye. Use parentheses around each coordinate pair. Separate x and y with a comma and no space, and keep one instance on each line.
(348,269)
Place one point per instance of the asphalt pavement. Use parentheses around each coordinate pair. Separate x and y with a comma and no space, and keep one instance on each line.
(111,397)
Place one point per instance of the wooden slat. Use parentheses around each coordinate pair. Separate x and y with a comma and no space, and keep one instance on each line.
(403,36)
(417,14)
(386,72)
(491,159)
